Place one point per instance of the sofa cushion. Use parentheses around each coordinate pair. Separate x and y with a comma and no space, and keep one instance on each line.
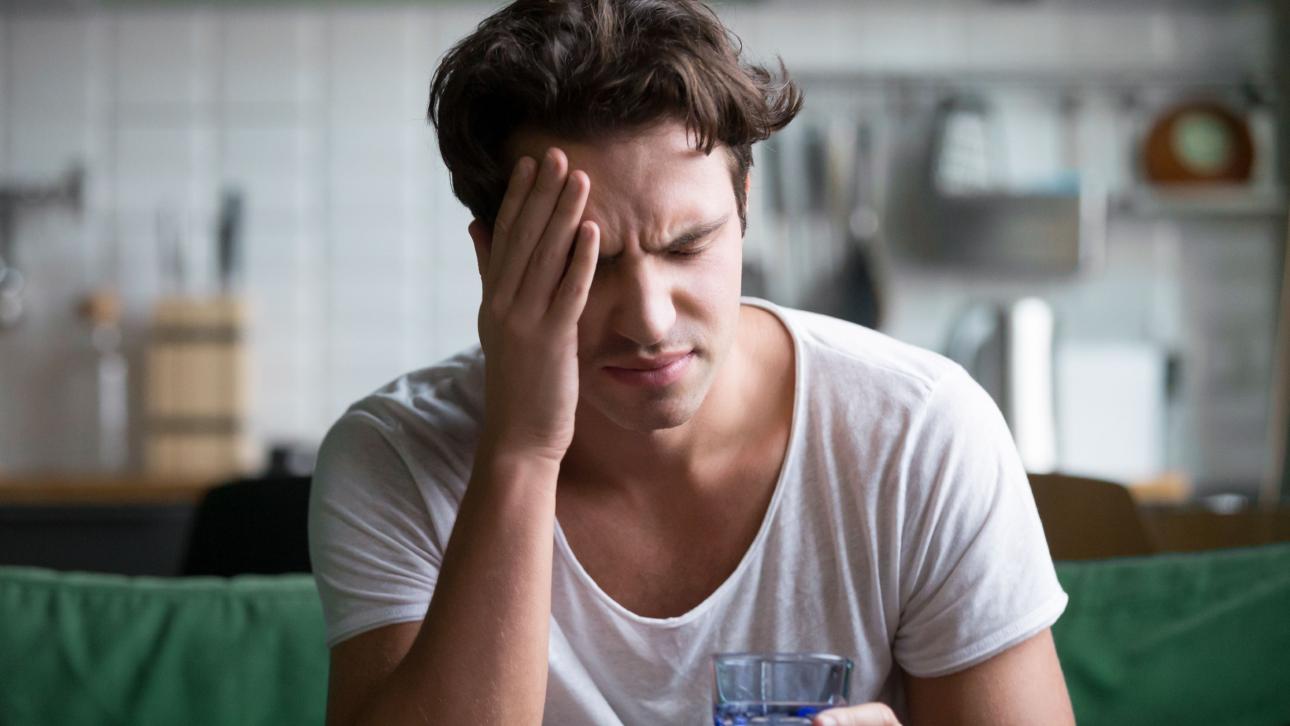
(1196,638)
(80,648)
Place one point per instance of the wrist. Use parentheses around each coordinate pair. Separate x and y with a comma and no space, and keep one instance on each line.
(517,447)
(499,462)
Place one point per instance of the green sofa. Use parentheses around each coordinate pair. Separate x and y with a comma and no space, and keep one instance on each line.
(1169,639)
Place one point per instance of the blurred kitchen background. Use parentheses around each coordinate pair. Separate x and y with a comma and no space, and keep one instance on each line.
(221,223)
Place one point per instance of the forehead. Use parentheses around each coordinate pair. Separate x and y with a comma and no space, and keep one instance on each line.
(653,176)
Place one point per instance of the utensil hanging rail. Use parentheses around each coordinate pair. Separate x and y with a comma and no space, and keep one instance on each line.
(1263,82)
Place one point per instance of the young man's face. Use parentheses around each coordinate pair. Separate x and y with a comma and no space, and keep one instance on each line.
(667,287)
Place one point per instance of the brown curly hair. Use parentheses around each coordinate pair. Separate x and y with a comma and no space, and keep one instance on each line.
(578,69)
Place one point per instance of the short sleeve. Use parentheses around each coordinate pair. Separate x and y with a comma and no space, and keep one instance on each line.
(976,575)
(373,557)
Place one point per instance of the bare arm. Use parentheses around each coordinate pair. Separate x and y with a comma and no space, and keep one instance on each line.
(480,655)
(1022,685)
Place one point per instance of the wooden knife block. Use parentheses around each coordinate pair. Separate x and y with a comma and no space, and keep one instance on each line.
(197,390)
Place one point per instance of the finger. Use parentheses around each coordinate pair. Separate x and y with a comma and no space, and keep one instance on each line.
(517,191)
(571,297)
(532,220)
(869,714)
(551,256)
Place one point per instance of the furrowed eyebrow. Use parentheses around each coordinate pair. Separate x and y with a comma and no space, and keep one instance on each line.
(687,237)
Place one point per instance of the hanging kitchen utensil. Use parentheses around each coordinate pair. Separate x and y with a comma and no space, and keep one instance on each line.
(966,157)
(171,252)
(779,249)
(68,192)
(850,290)
(228,239)
(807,215)
(12,286)
(973,221)
(862,301)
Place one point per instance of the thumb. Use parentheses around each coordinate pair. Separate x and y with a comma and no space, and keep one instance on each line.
(869,714)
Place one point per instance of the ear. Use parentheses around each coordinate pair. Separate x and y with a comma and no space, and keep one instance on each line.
(482,235)
(748,183)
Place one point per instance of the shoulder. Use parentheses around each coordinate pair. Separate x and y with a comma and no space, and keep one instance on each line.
(892,402)
(450,389)
(420,428)
(437,407)
(850,362)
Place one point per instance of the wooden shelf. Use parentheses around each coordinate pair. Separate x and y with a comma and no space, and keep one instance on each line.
(1214,201)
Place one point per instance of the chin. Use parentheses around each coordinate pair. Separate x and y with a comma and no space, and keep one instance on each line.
(648,419)
(662,410)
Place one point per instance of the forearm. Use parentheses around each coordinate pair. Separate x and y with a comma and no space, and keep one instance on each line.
(481,653)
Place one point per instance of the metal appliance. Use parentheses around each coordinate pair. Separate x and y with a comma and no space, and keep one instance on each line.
(1008,349)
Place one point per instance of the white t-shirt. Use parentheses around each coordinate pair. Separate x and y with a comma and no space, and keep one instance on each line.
(902,534)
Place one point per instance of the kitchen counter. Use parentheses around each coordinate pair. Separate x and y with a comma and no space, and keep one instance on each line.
(64,489)
(133,525)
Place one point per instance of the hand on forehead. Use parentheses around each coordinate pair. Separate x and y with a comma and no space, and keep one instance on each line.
(646,186)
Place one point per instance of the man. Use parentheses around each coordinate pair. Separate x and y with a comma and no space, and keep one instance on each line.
(640,468)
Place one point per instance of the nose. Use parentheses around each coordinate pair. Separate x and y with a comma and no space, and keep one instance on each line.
(644,311)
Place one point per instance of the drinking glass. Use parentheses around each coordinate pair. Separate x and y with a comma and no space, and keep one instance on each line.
(777,689)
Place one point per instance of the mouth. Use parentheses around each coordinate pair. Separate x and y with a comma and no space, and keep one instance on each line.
(651,372)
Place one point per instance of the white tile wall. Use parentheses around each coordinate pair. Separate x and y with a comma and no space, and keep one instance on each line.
(165,58)
(270,61)
(6,69)
(357,262)
(46,63)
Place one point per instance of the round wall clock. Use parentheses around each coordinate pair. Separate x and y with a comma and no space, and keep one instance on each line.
(1199,142)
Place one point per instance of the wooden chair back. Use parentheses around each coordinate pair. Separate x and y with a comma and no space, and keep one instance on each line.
(1087,519)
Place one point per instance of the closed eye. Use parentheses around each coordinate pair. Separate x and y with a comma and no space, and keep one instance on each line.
(688,251)
(688,244)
